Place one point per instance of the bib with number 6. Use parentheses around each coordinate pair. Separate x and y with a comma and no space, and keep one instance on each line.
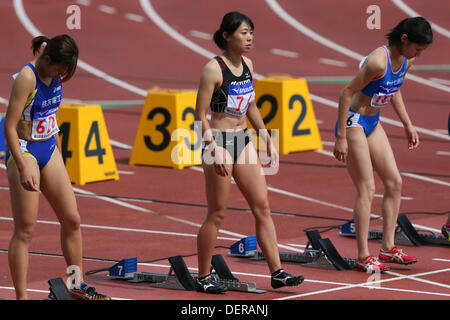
(44,128)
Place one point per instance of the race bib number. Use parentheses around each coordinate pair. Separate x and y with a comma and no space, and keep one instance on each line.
(239,98)
(44,128)
(380,99)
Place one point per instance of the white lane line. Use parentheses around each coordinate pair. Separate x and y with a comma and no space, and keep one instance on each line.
(423,178)
(86,3)
(443,153)
(284,53)
(273,4)
(90,226)
(200,35)
(107,9)
(3,101)
(365,284)
(120,145)
(441,81)
(439,259)
(409,11)
(29,26)
(134,17)
(151,13)
(332,62)
(420,280)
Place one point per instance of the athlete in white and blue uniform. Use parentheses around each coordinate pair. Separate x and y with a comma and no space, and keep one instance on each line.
(40,110)
(362,143)
(380,91)
(34,162)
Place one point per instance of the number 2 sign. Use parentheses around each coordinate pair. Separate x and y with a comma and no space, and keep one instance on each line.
(285,106)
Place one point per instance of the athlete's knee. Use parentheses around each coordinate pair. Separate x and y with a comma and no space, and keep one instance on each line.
(216,217)
(24,233)
(71,222)
(261,209)
(367,190)
(394,185)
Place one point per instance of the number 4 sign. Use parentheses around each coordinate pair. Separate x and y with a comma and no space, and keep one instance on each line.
(85,145)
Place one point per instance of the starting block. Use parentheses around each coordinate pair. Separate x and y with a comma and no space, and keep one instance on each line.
(348,230)
(405,234)
(245,247)
(58,290)
(319,253)
(179,277)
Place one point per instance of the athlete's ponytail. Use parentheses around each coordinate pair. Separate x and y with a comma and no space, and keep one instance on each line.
(230,23)
(417,29)
(61,50)
(37,42)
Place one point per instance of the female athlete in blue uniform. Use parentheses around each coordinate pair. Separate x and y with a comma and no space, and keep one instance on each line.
(362,142)
(226,88)
(34,162)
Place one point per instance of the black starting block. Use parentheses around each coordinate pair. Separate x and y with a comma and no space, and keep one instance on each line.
(58,290)
(319,253)
(179,277)
(405,234)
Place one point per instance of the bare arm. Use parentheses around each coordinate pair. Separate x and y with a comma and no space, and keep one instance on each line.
(400,109)
(23,87)
(371,69)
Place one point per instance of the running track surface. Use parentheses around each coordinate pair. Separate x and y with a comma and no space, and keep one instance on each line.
(137,50)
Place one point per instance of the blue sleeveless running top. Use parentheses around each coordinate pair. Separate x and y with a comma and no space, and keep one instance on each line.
(383,89)
(41,107)
(236,93)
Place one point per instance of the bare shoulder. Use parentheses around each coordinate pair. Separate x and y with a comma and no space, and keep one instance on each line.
(25,82)
(212,71)
(375,63)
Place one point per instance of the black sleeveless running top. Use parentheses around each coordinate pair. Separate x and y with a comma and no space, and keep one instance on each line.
(236,93)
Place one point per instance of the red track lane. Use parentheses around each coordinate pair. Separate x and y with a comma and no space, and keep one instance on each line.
(133,52)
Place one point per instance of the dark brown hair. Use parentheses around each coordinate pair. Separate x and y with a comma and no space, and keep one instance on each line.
(418,30)
(230,23)
(61,50)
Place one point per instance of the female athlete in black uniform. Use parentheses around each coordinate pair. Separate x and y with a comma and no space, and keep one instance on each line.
(226,88)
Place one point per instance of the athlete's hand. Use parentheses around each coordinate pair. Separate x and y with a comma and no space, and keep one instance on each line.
(413,137)
(341,149)
(272,153)
(222,160)
(28,180)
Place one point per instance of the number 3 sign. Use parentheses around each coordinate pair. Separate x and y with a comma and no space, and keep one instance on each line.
(166,135)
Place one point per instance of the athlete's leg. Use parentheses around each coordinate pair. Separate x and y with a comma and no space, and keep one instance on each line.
(359,166)
(24,205)
(217,195)
(56,187)
(384,164)
(252,184)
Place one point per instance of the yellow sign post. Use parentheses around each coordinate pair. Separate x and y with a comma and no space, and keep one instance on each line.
(85,145)
(285,106)
(166,135)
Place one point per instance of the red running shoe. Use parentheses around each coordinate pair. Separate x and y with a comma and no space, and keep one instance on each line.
(85,292)
(371,265)
(396,255)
